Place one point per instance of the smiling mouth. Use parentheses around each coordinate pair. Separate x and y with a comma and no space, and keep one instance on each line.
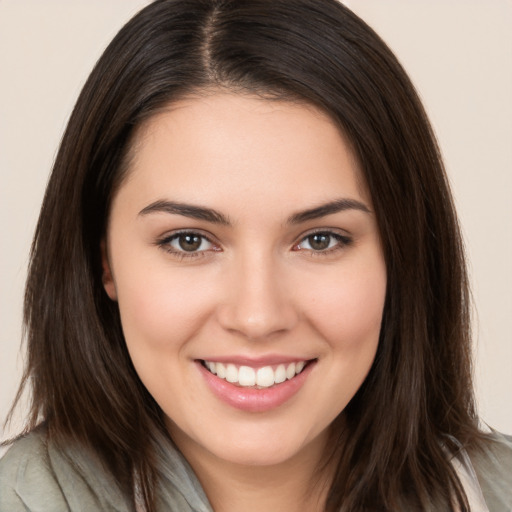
(257,378)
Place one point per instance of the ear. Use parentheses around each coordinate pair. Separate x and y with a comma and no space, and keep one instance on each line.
(107,278)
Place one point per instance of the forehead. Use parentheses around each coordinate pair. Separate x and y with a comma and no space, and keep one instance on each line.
(220,145)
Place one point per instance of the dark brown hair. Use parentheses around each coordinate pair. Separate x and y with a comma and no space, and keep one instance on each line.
(400,427)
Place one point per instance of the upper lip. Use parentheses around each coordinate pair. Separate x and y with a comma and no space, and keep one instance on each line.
(257,362)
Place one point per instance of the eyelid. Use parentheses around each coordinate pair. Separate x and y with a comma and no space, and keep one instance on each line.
(343,238)
(165,240)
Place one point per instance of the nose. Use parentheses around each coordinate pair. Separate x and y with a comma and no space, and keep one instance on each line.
(257,304)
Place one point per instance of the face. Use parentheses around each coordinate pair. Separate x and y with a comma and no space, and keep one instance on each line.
(245,257)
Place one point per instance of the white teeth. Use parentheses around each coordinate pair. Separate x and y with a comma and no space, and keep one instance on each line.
(265,377)
(299,366)
(231,373)
(280,375)
(221,370)
(246,376)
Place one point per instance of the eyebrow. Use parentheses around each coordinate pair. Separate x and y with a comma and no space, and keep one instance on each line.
(339,205)
(215,217)
(187,210)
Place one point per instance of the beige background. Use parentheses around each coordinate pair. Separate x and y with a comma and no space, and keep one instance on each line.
(458,53)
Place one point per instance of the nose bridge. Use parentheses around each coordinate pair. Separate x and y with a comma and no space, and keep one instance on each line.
(257,304)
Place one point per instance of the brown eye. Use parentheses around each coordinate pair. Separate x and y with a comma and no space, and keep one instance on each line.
(319,241)
(187,242)
(190,242)
(323,242)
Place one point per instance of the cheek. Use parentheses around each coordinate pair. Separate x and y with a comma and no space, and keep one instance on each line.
(348,317)
(348,312)
(160,311)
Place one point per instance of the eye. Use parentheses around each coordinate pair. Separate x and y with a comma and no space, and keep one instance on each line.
(323,241)
(187,243)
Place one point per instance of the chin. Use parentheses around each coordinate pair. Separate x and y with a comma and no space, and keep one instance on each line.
(264,444)
(268,455)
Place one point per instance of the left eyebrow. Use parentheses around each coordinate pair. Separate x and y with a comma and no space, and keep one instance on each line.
(187,210)
(339,205)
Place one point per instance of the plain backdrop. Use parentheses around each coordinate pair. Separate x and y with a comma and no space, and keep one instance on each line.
(457,52)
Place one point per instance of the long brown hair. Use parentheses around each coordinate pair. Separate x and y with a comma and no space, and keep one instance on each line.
(392,450)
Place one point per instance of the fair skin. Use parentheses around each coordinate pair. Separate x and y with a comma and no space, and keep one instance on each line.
(251,273)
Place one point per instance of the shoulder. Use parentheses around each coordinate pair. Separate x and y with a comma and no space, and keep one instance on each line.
(35,475)
(26,479)
(493,467)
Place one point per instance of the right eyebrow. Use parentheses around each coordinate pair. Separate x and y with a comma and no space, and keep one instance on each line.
(338,205)
(187,210)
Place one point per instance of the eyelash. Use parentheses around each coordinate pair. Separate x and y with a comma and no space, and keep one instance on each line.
(343,241)
(165,243)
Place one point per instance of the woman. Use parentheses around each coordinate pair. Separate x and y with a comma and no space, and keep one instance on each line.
(247,287)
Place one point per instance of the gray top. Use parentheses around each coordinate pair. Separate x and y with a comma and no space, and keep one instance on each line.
(37,477)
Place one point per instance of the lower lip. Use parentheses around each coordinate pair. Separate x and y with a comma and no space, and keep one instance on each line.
(251,399)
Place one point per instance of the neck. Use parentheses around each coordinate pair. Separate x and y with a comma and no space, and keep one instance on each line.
(294,485)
